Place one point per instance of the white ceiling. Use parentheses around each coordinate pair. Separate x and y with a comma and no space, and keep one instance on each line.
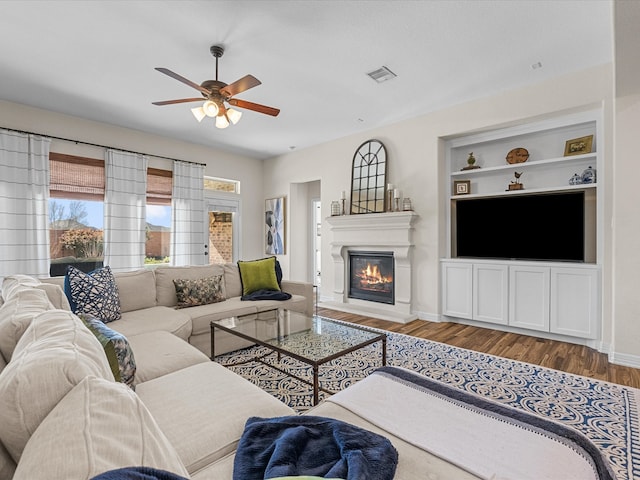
(96,59)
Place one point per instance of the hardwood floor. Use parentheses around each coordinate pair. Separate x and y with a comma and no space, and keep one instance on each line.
(563,356)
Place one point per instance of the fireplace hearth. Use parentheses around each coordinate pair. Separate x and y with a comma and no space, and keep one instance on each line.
(371,276)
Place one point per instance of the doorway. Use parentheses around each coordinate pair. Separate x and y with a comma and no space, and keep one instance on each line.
(224,232)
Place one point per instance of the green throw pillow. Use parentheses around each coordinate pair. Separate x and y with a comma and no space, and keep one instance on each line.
(258,275)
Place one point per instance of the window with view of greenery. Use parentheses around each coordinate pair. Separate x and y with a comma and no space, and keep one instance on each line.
(76,213)
(159,187)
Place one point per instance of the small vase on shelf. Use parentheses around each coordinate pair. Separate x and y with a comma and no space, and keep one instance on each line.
(589,176)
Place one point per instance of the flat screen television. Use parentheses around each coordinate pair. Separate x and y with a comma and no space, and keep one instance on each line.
(540,227)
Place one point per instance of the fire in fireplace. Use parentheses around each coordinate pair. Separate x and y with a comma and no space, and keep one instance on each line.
(371,276)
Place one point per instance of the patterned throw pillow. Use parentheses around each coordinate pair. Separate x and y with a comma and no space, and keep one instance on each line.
(94,293)
(116,347)
(199,292)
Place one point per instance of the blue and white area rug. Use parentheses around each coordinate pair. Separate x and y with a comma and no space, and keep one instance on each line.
(606,413)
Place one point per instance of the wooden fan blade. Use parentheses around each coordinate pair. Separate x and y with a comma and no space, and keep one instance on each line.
(181,100)
(180,78)
(256,107)
(239,86)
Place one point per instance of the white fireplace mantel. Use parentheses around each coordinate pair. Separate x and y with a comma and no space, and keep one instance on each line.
(381,232)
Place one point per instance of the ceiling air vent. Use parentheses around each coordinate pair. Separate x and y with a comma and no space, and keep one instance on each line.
(382,74)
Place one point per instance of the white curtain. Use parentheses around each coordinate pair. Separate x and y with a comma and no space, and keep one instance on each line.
(188,217)
(24,199)
(125,200)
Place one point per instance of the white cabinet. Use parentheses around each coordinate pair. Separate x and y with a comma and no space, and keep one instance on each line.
(545,297)
(529,290)
(490,293)
(457,289)
(574,305)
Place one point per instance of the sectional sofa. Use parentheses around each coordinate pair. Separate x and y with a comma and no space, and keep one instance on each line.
(62,415)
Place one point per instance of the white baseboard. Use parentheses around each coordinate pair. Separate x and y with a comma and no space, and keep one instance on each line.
(624,359)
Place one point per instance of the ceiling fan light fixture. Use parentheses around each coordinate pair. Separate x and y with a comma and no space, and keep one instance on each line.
(222,121)
(210,108)
(199,113)
(233,115)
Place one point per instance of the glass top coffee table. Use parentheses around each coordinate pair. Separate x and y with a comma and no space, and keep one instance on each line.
(310,339)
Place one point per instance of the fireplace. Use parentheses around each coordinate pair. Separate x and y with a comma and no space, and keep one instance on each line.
(371,276)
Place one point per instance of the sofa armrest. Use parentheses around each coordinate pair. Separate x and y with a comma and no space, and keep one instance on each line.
(300,288)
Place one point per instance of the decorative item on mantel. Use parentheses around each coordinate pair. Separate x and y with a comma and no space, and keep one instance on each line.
(335,208)
(406,204)
(396,200)
(343,200)
(389,206)
(516,185)
(471,162)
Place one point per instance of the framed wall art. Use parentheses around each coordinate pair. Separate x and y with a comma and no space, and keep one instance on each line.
(274,226)
(578,146)
(461,187)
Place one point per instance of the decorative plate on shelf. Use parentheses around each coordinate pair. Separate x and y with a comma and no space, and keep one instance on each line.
(518,155)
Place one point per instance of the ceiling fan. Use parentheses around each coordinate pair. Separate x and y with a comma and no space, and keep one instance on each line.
(217,93)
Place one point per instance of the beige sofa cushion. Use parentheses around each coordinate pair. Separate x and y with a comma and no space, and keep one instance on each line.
(54,354)
(98,426)
(13,283)
(232,282)
(56,295)
(202,315)
(16,315)
(154,319)
(165,288)
(159,353)
(7,465)
(136,289)
(213,394)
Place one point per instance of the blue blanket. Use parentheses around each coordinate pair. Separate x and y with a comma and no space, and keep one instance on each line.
(138,473)
(267,295)
(314,446)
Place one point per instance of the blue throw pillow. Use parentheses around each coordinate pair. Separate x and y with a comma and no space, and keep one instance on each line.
(94,293)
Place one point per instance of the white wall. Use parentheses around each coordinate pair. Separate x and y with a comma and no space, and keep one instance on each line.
(626,193)
(218,164)
(416,166)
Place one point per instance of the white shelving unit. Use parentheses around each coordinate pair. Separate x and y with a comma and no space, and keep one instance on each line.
(497,292)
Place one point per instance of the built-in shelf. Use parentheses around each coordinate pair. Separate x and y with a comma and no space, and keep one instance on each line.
(530,191)
(575,159)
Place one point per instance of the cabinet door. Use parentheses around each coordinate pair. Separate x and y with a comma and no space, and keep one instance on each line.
(574,302)
(456,289)
(490,293)
(529,297)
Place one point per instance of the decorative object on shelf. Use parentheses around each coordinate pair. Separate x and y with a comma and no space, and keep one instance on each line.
(335,208)
(343,202)
(461,187)
(471,163)
(515,184)
(517,155)
(406,204)
(274,226)
(396,200)
(368,178)
(389,207)
(589,175)
(578,146)
(575,179)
